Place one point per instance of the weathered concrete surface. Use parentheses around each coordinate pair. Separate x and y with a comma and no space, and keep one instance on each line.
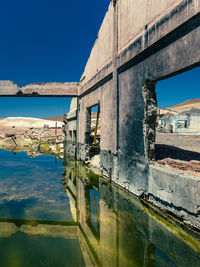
(151,40)
(51,89)
(103,43)
(8,88)
(138,25)
(176,193)
(104,95)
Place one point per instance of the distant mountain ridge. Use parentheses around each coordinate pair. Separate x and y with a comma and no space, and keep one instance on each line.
(186,105)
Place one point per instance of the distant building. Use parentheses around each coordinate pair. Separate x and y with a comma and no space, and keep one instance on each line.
(184,122)
(187,121)
(164,117)
(70,128)
(165,111)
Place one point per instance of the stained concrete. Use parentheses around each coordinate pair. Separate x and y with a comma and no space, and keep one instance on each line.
(179,194)
(151,41)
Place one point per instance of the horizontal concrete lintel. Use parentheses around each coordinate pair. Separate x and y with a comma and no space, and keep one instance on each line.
(8,88)
(36,94)
(101,75)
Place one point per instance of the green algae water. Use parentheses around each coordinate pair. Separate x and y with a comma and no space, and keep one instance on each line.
(62,214)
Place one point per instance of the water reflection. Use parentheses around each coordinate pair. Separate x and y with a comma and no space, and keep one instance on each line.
(31,188)
(80,220)
(116,229)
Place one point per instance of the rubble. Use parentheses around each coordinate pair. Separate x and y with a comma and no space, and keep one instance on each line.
(34,141)
(191,166)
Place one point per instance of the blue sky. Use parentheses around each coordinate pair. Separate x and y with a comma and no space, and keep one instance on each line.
(178,88)
(45,41)
(48,40)
(38,107)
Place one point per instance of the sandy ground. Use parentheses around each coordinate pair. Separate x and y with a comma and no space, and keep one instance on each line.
(177,146)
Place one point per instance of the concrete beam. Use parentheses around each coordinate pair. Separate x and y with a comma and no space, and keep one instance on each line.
(9,88)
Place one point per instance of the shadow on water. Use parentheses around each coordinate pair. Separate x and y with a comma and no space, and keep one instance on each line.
(95,224)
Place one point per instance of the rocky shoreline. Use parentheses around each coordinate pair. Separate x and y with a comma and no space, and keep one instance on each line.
(34,141)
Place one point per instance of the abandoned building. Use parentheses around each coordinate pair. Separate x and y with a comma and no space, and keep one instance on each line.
(187,121)
(183,122)
(138,44)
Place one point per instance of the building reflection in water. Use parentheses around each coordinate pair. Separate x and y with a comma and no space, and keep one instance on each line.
(110,228)
(116,229)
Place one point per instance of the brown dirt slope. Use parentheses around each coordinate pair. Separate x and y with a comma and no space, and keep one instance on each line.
(186,105)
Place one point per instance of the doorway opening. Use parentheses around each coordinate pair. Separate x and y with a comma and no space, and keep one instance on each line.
(93,129)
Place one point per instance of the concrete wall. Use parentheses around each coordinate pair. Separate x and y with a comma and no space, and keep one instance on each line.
(143,21)
(119,86)
(101,53)
(152,40)
(105,95)
(175,192)
(135,16)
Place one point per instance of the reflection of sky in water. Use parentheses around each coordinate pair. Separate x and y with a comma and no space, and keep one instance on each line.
(94,209)
(31,188)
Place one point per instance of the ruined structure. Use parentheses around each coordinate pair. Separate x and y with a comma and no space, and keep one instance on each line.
(9,88)
(139,43)
(70,128)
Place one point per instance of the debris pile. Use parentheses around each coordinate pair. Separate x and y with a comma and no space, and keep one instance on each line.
(35,141)
(192,165)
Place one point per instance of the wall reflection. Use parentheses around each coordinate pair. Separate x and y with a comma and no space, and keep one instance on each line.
(105,226)
(116,229)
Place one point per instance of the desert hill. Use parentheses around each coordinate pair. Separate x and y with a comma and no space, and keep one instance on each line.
(186,105)
(56,118)
(27,122)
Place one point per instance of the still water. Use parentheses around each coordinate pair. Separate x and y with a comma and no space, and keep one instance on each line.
(62,214)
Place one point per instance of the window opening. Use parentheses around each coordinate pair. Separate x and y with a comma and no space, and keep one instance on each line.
(177,131)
